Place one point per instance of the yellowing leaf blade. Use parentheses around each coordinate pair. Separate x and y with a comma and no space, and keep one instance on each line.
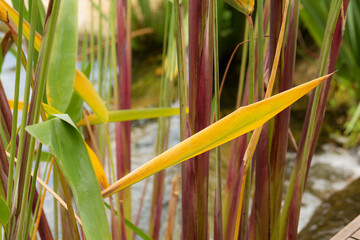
(86,91)
(82,84)
(234,125)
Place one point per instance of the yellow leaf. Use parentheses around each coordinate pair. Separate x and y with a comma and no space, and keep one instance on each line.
(3,14)
(26,27)
(82,84)
(234,125)
(99,170)
(86,91)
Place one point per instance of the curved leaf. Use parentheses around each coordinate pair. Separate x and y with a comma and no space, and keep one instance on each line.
(62,64)
(4,212)
(82,84)
(68,146)
(233,125)
(86,91)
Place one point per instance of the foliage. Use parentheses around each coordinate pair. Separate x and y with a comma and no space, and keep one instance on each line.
(78,138)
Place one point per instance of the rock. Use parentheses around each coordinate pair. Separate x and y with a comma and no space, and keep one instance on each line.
(333,214)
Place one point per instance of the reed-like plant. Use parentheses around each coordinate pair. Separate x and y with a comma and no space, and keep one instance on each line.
(83,190)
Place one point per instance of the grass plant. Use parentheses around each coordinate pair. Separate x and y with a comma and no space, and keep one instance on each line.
(95,180)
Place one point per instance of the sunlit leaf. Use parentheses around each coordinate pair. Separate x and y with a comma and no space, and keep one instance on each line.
(4,212)
(86,91)
(234,125)
(67,144)
(99,170)
(82,84)
(244,6)
(62,64)
(132,114)
(26,27)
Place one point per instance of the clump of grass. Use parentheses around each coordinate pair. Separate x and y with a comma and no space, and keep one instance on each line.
(81,151)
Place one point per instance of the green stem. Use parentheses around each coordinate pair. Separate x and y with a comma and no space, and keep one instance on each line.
(33,186)
(243,67)
(45,50)
(16,106)
(92,44)
(99,51)
(301,165)
(251,60)
(182,70)
(20,234)
(218,207)
(260,42)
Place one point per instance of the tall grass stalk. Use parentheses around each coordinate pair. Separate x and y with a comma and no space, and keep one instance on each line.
(28,80)
(163,125)
(15,109)
(200,96)
(300,167)
(218,222)
(38,91)
(124,102)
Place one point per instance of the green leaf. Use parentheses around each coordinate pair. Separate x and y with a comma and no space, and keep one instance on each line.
(4,212)
(63,57)
(137,230)
(132,114)
(68,146)
(75,107)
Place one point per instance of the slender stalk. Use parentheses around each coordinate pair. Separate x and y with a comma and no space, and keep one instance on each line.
(32,188)
(56,208)
(16,106)
(182,70)
(242,67)
(45,53)
(92,44)
(28,80)
(260,42)
(251,60)
(70,211)
(162,135)
(218,222)
(123,129)
(300,167)
(100,52)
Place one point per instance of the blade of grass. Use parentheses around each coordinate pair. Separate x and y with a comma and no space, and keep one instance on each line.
(81,83)
(235,124)
(77,169)
(309,130)
(63,57)
(336,39)
(16,107)
(218,222)
(133,114)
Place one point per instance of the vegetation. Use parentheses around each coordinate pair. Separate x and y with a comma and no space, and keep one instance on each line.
(78,108)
